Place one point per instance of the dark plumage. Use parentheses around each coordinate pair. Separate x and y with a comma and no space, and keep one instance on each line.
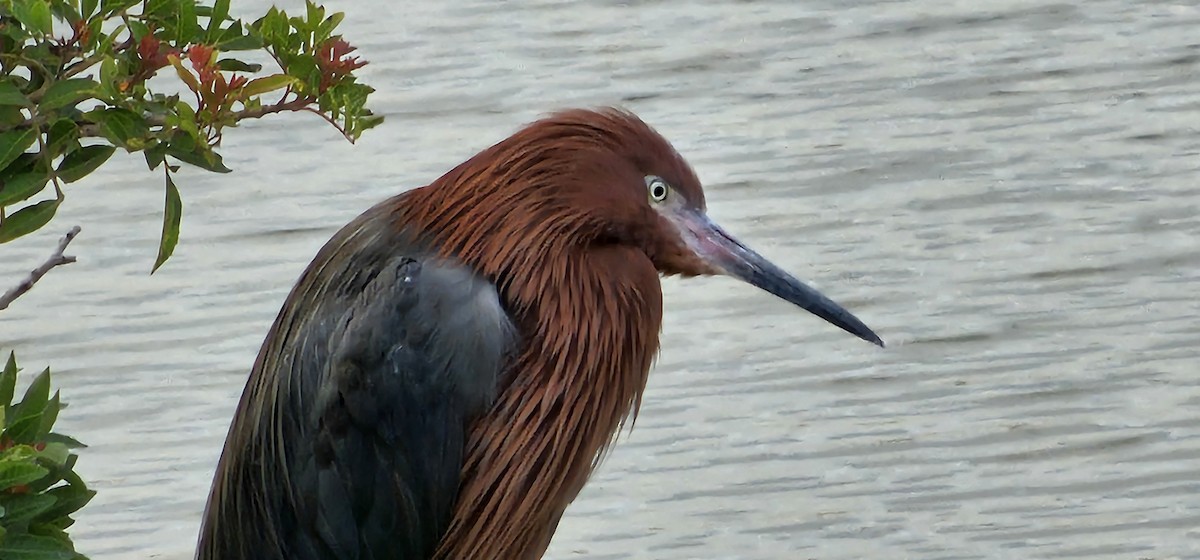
(451,366)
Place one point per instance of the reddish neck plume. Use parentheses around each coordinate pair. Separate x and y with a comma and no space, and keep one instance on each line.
(589,316)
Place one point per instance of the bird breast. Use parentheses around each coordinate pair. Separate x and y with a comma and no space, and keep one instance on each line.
(586,354)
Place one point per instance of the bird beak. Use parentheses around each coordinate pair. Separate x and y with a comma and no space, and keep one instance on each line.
(730,257)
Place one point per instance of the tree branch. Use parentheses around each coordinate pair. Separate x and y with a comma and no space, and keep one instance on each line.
(56,259)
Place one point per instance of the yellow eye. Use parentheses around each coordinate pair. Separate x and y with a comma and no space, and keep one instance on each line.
(657,187)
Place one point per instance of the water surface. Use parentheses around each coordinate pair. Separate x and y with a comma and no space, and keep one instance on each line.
(1007,192)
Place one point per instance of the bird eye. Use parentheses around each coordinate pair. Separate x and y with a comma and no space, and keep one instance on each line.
(657,187)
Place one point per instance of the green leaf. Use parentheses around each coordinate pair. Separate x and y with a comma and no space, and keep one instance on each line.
(15,472)
(68,92)
(49,416)
(68,473)
(138,29)
(259,86)
(155,154)
(95,34)
(10,116)
(108,71)
(184,74)
(27,220)
(25,162)
(234,39)
(121,126)
(187,120)
(220,12)
(10,94)
(201,157)
(14,143)
(55,452)
(88,7)
(64,10)
(325,30)
(315,14)
(62,133)
(26,423)
(8,381)
(172,212)
(273,27)
(81,162)
(35,15)
(51,530)
(38,392)
(234,65)
(24,507)
(183,19)
(68,441)
(113,6)
(31,547)
(69,500)
(183,141)
(22,186)
(306,69)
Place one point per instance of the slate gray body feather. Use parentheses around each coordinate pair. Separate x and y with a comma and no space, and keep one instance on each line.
(355,452)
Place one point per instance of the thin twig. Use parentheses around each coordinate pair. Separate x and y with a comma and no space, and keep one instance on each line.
(299,104)
(49,159)
(56,259)
(331,121)
(84,64)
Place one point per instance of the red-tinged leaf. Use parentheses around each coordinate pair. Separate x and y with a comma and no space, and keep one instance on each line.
(184,74)
(201,57)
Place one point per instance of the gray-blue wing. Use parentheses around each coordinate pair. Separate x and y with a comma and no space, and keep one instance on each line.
(411,362)
(355,450)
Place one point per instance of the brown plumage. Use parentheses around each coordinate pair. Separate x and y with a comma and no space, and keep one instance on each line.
(469,441)
(589,349)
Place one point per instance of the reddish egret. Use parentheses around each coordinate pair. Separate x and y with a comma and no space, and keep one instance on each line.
(450,368)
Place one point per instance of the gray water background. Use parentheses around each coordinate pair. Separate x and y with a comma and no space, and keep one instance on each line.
(1006,191)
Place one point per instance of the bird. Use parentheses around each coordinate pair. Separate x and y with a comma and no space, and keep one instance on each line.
(456,361)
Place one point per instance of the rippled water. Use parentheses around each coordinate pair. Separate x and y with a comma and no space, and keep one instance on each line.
(1006,191)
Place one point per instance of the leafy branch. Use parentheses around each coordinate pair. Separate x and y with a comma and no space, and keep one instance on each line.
(39,489)
(69,100)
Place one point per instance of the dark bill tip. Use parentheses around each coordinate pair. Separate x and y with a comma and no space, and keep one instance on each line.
(764,275)
(726,253)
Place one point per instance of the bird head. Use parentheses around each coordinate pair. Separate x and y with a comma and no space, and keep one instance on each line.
(647,195)
(582,178)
